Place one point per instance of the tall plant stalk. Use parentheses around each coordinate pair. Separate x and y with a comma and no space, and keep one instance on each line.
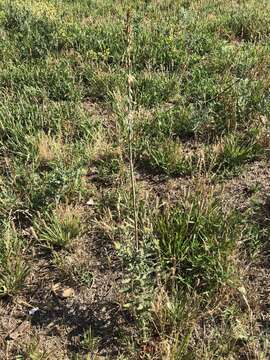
(130,125)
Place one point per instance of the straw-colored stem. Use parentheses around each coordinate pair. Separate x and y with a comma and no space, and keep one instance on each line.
(130,126)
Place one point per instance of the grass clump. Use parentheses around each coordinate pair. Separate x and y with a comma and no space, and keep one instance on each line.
(196,239)
(232,152)
(169,158)
(60,227)
(90,342)
(14,269)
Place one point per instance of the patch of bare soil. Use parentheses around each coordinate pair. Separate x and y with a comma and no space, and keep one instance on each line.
(252,184)
(53,312)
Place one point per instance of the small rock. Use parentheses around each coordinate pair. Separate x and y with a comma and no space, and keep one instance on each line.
(62,292)
(33,311)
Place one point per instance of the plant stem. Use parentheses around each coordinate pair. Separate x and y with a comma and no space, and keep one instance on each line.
(130,126)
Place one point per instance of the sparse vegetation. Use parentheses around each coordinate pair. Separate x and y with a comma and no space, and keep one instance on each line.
(191,282)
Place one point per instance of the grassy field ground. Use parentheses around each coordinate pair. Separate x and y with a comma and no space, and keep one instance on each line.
(73,282)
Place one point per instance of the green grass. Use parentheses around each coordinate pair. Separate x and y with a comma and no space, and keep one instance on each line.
(196,239)
(60,228)
(14,269)
(200,113)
